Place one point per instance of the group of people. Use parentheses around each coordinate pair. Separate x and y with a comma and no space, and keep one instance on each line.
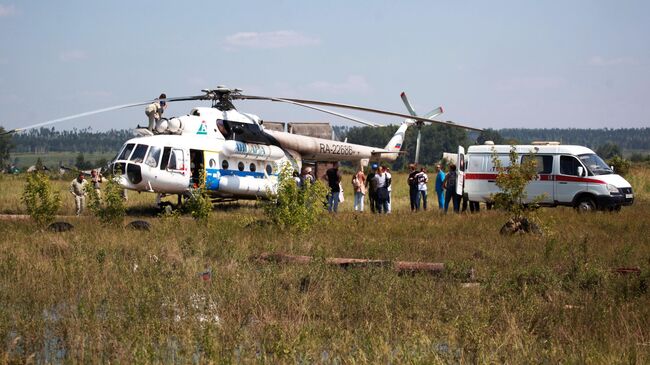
(377,186)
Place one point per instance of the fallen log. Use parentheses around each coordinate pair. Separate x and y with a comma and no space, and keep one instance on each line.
(627,270)
(399,266)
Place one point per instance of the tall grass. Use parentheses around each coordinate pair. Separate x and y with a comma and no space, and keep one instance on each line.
(105,294)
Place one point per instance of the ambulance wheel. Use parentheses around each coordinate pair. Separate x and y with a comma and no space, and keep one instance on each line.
(586,205)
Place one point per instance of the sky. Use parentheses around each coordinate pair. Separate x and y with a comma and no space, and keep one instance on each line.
(489,64)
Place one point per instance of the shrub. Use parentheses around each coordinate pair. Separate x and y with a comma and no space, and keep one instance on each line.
(199,204)
(109,207)
(41,201)
(621,166)
(295,207)
(512,180)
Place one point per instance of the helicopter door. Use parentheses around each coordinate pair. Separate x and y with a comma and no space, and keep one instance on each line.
(173,177)
(197,167)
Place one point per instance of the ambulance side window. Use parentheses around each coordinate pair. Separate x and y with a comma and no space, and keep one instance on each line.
(476,163)
(569,165)
(544,163)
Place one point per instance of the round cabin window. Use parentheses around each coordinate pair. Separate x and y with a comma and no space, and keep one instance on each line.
(213,163)
(269,169)
(224,164)
(252,167)
(240,166)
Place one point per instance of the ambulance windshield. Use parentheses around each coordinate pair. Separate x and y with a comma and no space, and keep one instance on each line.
(595,164)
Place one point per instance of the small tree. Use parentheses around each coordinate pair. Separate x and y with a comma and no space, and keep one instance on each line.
(295,207)
(109,207)
(512,180)
(199,205)
(41,201)
(621,166)
(5,147)
(39,165)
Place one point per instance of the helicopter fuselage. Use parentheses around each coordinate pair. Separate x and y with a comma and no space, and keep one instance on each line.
(230,152)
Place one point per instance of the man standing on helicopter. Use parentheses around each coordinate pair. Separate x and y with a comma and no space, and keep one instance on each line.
(155,110)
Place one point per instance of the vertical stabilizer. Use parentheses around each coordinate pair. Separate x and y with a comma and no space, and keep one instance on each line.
(395,143)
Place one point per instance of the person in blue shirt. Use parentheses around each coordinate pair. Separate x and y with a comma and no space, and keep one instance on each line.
(440,191)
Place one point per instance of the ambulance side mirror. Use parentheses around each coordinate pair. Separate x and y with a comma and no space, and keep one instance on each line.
(612,167)
(580,171)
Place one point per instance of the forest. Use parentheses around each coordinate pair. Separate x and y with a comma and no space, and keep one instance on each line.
(634,142)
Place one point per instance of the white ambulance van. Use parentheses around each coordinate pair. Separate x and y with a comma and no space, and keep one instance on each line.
(566,175)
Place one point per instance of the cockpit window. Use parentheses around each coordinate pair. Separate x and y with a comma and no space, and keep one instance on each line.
(126,152)
(153,156)
(139,153)
(172,161)
(176,160)
(595,164)
(165,158)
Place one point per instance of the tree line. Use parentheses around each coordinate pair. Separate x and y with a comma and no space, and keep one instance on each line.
(435,140)
(44,140)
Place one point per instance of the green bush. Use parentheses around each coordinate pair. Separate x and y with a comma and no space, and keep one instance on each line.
(109,207)
(41,201)
(621,166)
(512,180)
(199,204)
(294,207)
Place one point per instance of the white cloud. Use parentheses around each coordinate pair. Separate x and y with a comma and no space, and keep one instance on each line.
(269,40)
(73,55)
(529,83)
(353,84)
(7,10)
(615,61)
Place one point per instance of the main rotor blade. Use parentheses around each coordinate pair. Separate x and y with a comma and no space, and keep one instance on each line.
(103,110)
(354,119)
(408,104)
(354,107)
(80,115)
(434,113)
(187,98)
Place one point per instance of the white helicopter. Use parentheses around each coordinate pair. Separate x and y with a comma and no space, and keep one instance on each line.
(231,150)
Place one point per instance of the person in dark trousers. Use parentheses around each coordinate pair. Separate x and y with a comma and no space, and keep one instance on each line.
(450,186)
(383,182)
(333,177)
(413,187)
(371,183)
(440,191)
(474,207)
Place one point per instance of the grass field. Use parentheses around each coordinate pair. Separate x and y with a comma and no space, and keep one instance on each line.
(105,294)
